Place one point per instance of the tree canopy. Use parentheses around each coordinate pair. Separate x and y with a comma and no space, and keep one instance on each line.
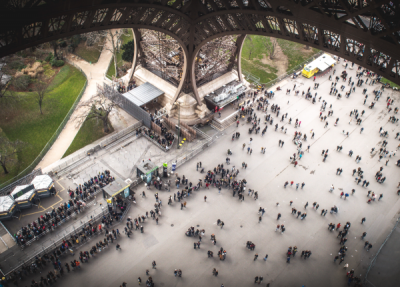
(128,49)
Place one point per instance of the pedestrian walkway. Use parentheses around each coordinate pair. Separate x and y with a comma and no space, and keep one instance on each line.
(95,75)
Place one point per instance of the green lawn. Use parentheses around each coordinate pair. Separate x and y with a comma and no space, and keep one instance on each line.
(252,62)
(295,53)
(264,76)
(124,39)
(89,54)
(90,131)
(23,120)
(257,50)
(386,81)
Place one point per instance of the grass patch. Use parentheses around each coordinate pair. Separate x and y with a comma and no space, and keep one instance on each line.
(386,81)
(90,131)
(264,76)
(272,69)
(295,53)
(256,46)
(23,120)
(124,39)
(89,54)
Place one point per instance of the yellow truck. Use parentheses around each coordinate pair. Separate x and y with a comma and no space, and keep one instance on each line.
(320,64)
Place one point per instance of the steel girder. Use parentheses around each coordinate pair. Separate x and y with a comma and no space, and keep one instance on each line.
(363,31)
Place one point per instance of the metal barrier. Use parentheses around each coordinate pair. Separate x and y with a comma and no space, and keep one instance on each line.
(156,143)
(128,106)
(8,231)
(120,134)
(24,180)
(76,231)
(53,138)
(195,151)
(83,154)
(56,244)
(72,210)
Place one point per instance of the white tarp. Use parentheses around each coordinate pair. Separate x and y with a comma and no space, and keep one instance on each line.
(24,196)
(18,189)
(322,63)
(42,182)
(6,202)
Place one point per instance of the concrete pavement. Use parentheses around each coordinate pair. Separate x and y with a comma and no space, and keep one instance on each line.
(266,173)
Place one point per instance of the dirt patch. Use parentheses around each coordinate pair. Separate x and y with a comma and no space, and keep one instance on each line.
(305,51)
(280,61)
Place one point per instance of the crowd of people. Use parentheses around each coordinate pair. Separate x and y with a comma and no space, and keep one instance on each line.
(50,220)
(222,176)
(166,138)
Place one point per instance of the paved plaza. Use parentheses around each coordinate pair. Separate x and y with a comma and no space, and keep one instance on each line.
(167,244)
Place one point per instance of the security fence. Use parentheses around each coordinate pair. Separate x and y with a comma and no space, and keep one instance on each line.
(81,155)
(281,77)
(22,181)
(132,109)
(56,244)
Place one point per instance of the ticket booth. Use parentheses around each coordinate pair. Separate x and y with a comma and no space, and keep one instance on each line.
(7,207)
(44,185)
(147,171)
(24,196)
(116,192)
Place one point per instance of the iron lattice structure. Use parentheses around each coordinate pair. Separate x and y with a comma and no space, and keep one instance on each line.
(363,31)
(160,54)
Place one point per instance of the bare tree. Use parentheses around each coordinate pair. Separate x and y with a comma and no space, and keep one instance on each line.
(100,106)
(94,37)
(113,46)
(251,46)
(6,96)
(8,151)
(3,85)
(270,46)
(41,89)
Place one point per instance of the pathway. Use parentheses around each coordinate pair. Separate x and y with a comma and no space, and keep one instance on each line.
(95,75)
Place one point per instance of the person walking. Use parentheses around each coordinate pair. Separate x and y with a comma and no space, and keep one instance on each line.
(255,256)
(362,220)
(118,247)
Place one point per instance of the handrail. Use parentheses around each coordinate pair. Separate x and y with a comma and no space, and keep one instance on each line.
(74,232)
(8,231)
(71,209)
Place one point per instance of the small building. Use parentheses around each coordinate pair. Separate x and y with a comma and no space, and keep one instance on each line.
(225,95)
(115,192)
(147,171)
(7,207)
(321,64)
(44,185)
(24,195)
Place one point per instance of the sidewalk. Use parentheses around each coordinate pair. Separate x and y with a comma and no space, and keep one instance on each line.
(95,75)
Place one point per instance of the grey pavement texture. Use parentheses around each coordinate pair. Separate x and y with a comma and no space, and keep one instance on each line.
(167,244)
(386,267)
